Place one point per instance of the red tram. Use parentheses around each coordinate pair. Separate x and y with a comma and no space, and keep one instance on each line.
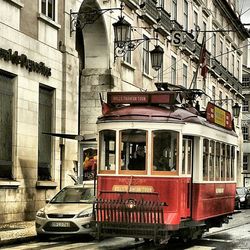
(165,168)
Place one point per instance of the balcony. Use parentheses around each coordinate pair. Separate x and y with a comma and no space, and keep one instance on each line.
(133,4)
(149,11)
(225,77)
(164,25)
(189,46)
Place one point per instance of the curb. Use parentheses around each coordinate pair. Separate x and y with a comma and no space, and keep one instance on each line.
(16,240)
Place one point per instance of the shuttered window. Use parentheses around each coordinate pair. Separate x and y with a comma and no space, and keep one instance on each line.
(44,140)
(6,125)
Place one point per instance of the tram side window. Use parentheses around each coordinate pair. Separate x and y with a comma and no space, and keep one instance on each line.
(165,150)
(217,162)
(223,161)
(107,150)
(186,156)
(133,149)
(211,160)
(205,159)
(228,177)
(232,162)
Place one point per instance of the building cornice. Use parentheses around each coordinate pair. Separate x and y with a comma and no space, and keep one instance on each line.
(231,15)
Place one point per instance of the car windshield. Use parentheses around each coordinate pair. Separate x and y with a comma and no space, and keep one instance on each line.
(241,191)
(74,195)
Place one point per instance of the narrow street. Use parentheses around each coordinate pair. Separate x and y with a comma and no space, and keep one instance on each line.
(232,236)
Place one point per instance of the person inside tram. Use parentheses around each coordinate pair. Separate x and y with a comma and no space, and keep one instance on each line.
(138,161)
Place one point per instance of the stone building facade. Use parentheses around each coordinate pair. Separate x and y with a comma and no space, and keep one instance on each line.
(52,72)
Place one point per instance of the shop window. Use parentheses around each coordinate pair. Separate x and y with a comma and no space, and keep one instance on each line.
(133,149)
(44,140)
(165,150)
(6,127)
(107,142)
(48,8)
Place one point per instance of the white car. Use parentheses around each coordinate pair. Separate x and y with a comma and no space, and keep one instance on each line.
(69,212)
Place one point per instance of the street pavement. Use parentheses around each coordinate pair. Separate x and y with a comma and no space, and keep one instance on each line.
(17,232)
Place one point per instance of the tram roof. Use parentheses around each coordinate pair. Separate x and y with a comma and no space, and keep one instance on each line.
(138,106)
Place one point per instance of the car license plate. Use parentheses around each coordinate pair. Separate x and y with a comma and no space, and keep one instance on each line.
(60,224)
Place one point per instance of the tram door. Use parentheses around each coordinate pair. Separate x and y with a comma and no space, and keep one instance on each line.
(187,161)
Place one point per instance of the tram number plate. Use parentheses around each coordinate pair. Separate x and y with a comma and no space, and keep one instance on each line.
(60,224)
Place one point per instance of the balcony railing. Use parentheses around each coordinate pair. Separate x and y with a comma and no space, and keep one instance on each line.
(149,11)
(164,25)
(225,76)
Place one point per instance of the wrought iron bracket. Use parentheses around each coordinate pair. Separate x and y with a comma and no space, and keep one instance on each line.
(121,48)
(80,19)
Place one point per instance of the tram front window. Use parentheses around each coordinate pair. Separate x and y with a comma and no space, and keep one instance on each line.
(133,149)
(107,150)
(165,150)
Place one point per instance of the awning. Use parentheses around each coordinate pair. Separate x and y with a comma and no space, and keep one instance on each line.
(86,137)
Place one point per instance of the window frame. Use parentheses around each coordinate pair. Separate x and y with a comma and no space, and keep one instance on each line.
(45,12)
(106,171)
(169,173)
(127,171)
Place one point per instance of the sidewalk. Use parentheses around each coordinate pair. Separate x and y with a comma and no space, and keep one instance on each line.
(17,232)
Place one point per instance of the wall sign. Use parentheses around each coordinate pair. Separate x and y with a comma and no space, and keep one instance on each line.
(30,65)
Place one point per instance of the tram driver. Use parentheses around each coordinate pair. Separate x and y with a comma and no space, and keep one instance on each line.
(138,161)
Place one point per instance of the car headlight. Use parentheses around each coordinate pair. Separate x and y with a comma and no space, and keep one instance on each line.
(41,214)
(85,213)
(242,199)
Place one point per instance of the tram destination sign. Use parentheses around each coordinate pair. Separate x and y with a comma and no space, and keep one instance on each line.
(141,97)
(219,116)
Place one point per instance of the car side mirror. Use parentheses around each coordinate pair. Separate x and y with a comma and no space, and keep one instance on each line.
(47,201)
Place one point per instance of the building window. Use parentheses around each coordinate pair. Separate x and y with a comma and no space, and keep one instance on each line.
(238,69)
(173,70)
(195,22)
(245,133)
(220,99)
(245,81)
(145,55)
(6,127)
(232,64)
(160,74)
(221,52)
(226,102)
(245,162)
(160,3)
(44,141)
(185,15)
(227,58)
(127,56)
(245,105)
(185,72)
(48,8)
(174,10)
(214,44)
(213,93)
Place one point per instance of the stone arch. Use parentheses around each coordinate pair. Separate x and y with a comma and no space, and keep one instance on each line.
(93,46)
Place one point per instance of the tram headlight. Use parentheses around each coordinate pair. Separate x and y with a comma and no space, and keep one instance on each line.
(130,203)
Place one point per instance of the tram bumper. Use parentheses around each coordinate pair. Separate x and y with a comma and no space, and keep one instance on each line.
(129,218)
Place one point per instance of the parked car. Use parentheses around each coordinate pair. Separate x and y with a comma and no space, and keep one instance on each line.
(242,198)
(69,212)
